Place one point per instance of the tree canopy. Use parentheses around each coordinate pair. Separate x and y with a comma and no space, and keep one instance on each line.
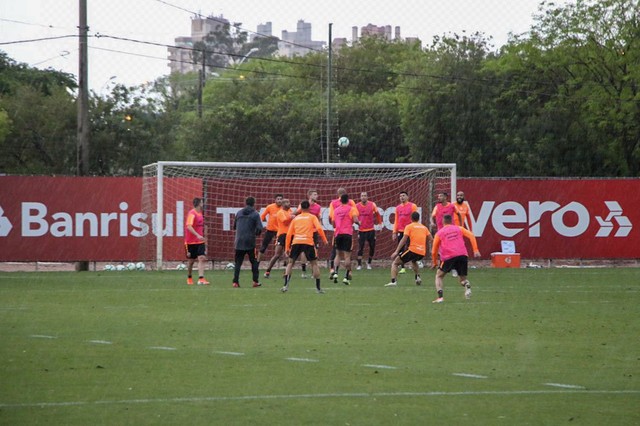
(559,100)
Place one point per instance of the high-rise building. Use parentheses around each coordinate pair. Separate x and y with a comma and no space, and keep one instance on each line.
(180,55)
(298,43)
(263,30)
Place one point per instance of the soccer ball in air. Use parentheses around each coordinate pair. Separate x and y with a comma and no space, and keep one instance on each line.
(230,265)
(140,266)
(343,142)
(181,267)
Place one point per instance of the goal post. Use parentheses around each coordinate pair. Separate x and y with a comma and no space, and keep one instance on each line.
(170,186)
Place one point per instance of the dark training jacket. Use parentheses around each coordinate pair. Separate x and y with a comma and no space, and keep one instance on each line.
(248,226)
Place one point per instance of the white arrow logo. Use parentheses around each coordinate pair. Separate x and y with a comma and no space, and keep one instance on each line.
(5,224)
(615,213)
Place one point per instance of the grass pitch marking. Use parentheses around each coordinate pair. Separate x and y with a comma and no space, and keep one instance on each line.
(230,353)
(162,348)
(471,376)
(425,394)
(100,342)
(42,336)
(385,367)
(302,359)
(564,386)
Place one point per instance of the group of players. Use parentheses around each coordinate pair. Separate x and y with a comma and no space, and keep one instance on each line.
(298,233)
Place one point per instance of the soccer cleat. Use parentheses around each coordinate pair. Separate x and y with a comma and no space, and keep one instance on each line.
(189,281)
(320,291)
(418,281)
(359,268)
(236,285)
(438,300)
(333,275)
(267,274)
(369,266)
(284,289)
(202,281)
(391,284)
(467,293)
(402,271)
(303,275)
(257,284)
(345,281)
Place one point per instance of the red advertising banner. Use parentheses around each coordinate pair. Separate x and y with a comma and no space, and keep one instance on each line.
(100,218)
(65,219)
(557,218)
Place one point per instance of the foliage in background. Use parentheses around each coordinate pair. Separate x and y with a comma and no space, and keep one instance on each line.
(560,100)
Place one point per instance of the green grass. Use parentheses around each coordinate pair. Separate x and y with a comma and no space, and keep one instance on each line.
(372,355)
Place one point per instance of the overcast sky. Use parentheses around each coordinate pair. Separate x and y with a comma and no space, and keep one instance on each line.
(160,21)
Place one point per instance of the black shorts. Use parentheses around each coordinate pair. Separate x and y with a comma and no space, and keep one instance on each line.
(343,242)
(266,240)
(282,240)
(193,251)
(309,251)
(367,236)
(459,263)
(409,256)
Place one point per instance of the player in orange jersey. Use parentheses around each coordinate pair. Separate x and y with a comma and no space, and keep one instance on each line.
(300,240)
(271,211)
(283,219)
(465,215)
(417,236)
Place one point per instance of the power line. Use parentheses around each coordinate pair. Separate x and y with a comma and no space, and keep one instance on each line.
(33,40)
(33,24)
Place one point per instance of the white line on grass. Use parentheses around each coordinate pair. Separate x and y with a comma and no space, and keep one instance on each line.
(230,353)
(320,395)
(302,359)
(387,367)
(100,342)
(162,348)
(471,376)
(561,385)
(42,336)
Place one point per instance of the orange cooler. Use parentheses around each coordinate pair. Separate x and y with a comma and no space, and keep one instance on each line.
(505,260)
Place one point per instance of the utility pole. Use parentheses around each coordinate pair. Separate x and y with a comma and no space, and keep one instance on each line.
(329,79)
(82,159)
(84,131)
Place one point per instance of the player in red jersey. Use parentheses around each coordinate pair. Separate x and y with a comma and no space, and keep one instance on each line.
(194,241)
(369,217)
(403,218)
(333,257)
(449,245)
(344,216)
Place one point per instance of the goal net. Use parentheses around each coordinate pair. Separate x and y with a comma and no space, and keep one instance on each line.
(170,187)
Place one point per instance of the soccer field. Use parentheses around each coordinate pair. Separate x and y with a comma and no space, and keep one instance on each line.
(532,346)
